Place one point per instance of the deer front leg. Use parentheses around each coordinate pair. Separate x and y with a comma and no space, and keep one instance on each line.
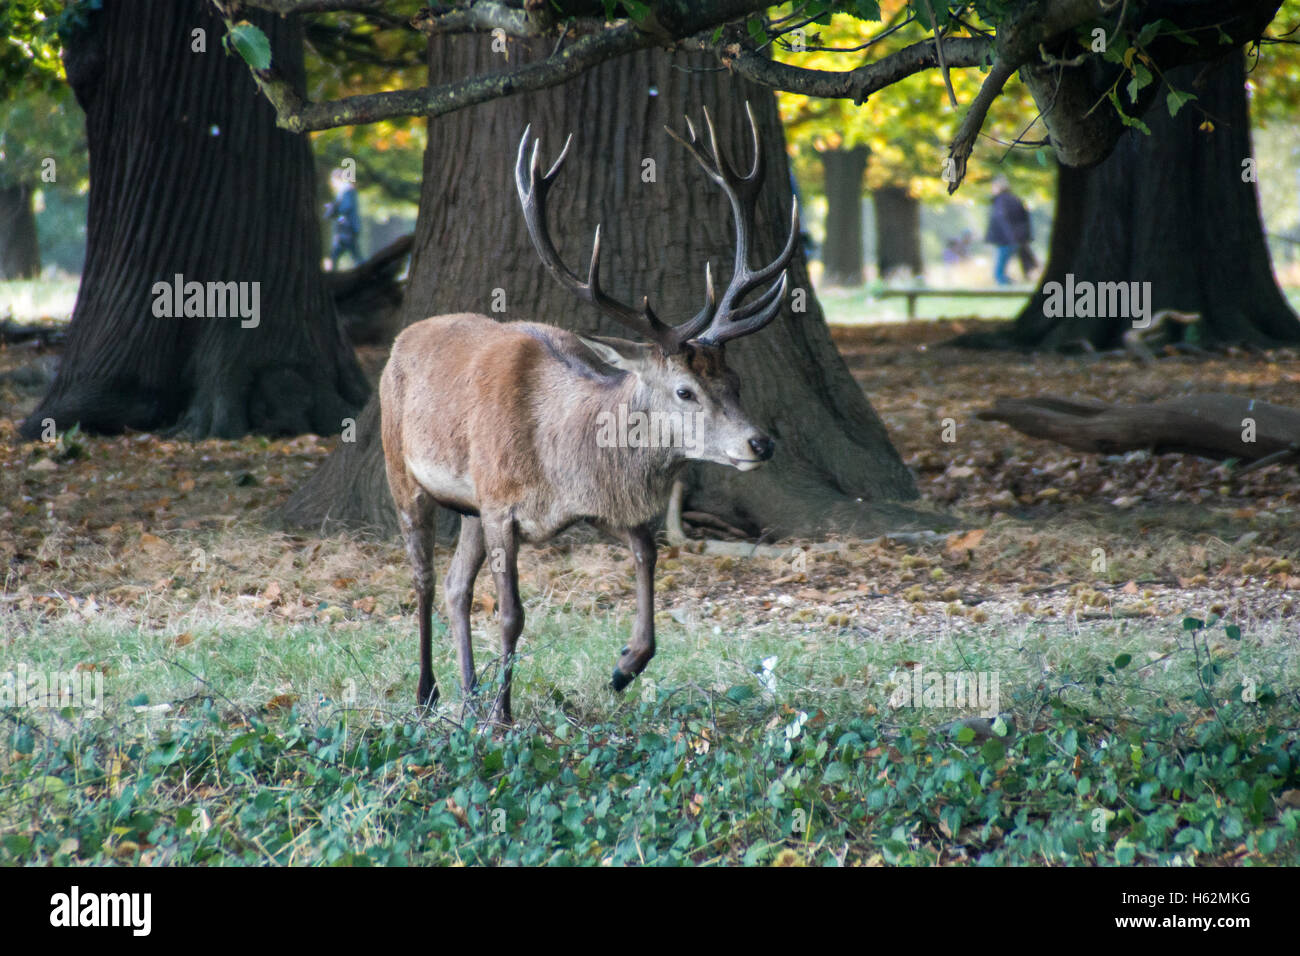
(418,526)
(637,654)
(502,542)
(459,585)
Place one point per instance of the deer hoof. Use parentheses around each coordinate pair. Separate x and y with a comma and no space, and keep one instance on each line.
(427,695)
(620,679)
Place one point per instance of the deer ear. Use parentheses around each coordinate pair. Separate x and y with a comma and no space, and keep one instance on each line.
(620,353)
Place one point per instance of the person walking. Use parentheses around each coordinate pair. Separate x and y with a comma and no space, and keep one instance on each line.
(1009,231)
(345,215)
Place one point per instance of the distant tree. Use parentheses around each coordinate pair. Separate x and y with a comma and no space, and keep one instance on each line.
(1175,208)
(41,140)
(190,177)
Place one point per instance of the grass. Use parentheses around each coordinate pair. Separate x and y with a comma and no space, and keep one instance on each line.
(566,657)
(37,299)
(33,300)
(860,306)
(297,743)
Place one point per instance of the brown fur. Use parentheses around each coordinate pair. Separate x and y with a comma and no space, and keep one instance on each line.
(501,422)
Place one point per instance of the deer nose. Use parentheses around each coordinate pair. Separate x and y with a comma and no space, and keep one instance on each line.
(763,447)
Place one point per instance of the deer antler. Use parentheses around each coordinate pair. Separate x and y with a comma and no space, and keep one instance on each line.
(532,189)
(730,320)
(719,320)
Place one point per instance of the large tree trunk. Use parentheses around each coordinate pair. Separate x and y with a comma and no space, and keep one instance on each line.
(190,176)
(898,230)
(20,255)
(1172,209)
(842,250)
(834,464)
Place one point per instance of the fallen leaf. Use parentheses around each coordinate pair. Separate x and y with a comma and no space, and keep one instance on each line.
(152,543)
(968,541)
(457,811)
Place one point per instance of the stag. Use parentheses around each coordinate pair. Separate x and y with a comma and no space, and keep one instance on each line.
(514,425)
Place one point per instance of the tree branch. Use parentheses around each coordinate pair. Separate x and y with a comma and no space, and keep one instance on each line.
(661,27)
(484,17)
(286,7)
(973,122)
(856,84)
(298,116)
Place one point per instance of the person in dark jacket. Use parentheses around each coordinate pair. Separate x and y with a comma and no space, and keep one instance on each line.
(1009,231)
(345,215)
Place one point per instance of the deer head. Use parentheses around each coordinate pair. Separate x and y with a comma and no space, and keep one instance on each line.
(681,369)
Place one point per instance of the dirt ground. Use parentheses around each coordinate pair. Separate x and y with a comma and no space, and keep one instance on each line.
(136,522)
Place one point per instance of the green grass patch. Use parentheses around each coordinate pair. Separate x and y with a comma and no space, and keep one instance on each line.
(713,760)
(31,300)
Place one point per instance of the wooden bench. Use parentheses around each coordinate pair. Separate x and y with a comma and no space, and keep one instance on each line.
(913,293)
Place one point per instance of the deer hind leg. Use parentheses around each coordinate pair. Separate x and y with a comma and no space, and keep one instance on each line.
(501,539)
(418,525)
(459,585)
(637,654)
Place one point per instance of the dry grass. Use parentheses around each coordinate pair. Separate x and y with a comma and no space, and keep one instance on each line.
(153,560)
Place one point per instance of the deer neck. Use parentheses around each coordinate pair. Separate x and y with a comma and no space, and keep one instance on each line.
(634,454)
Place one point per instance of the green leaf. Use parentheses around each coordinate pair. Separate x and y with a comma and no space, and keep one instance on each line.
(757,32)
(1176,99)
(867,10)
(17,843)
(739,693)
(1124,117)
(1233,632)
(835,773)
(1192,624)
(1123,661)
(1125,851)
(1148,33)
(251,43)
(1141,78)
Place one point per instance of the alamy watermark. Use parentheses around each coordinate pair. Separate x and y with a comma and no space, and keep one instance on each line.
(75,908)
(52,690)
(954,689)
(1085,300)
(208,300)
(634,428)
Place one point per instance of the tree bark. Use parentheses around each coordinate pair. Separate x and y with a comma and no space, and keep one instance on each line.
(898,231)
(842,251)
(190,176)
(834,465)
(20,253)
(1172,209)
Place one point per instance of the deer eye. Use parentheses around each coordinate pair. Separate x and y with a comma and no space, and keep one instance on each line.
(686,395)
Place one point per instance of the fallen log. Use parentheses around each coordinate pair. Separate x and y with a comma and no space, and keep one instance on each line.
(1208,425)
